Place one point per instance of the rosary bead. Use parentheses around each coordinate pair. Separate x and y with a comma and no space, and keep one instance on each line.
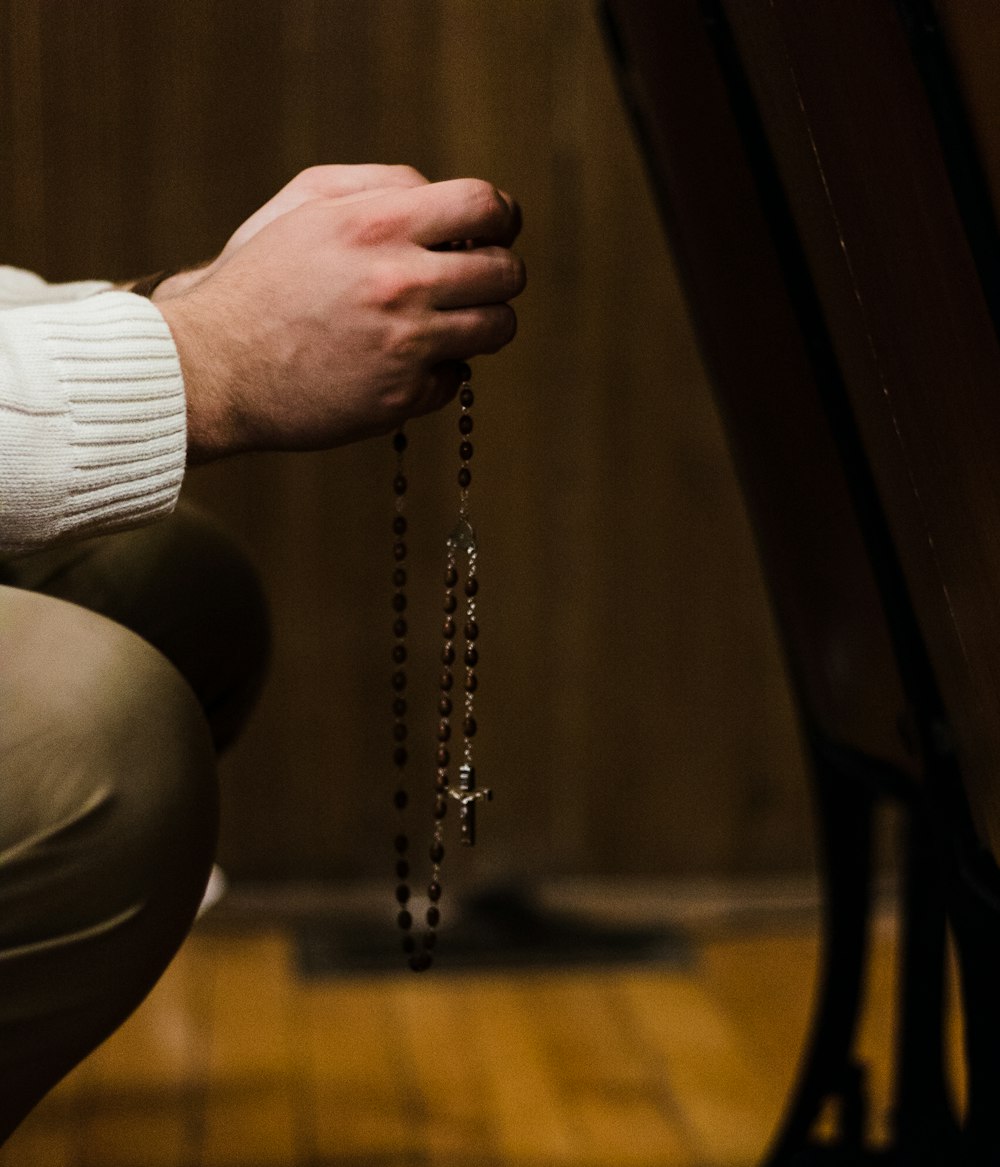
(402,869)
(445,706)
(465,424)
(464,477)
(450,602)
(465,450)
(451,576)
(402,844)
(399,756)
(399,653)
(471,586)
(403,893)
(399,602)
(471,630)
(469,727)
(443,757)
(430,939)
(401,799)
(399,441)
(448,654)
(399,484)
(420,962)
(399,551)
(399,681)
(441,780)
(448,628)
(437,852)
(400,628)
(447,680)
(433,917)
(405,920)
(434,892)
(399,577)
(399,707)
(399,731)
(471,681)
(472,656)
(399,525)
(444,730)
(466,397)
(409,944)
(440,808)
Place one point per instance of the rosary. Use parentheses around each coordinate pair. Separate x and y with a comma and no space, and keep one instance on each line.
(460,568)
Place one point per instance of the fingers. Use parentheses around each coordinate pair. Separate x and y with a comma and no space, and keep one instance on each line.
(468,332)
(486,275)
(460,209)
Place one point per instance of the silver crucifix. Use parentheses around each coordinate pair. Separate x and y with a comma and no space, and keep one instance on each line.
(467,796)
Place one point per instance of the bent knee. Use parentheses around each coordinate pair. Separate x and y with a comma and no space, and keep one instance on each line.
(107,786)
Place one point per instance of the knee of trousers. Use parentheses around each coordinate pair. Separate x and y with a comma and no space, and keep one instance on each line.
(107,821)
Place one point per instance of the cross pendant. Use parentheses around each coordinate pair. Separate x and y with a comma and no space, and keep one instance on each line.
(467,796)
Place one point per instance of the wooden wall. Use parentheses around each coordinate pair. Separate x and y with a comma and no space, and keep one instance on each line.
(634,710)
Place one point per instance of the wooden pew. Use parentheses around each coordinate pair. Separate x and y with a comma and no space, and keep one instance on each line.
(821,190)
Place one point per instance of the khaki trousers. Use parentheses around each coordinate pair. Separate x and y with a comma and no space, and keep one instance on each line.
(126,663)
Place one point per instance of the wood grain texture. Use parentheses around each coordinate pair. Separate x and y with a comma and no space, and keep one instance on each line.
(236,1060)
(634,708)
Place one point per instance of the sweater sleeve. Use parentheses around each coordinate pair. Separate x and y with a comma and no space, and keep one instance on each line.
(92,413)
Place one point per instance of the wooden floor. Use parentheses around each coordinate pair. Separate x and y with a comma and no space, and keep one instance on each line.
(234,1061)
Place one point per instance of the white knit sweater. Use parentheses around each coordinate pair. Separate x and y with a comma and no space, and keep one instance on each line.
(92,411)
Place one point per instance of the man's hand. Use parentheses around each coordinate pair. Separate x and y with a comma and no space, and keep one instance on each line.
(329,319)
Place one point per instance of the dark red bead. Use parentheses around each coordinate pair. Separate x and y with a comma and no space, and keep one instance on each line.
(409,944)
(403,893)
(399,484)
(405,920)
(445,706)
(400,799)
(469,727)
(402,844)
(448,628)
(466,398)
(433,917)
(471,630)
(465,451)
(399,731)
(399,577)
(421,962)
(471,586)
(400,756)
(399,681)
(447,680)
(399,707)
(443,757)
(465,424)
(399,525)
(399,551)
(448,654)
(444,730)
(402,869)
(434,892)
(451,576)
(440,808)
(472,656)
(430,939)
(450,602)
(399,441)
(464,477)
(400,628)
(471,681)
(399,653)
(437,852)
(399,602)
(441,780)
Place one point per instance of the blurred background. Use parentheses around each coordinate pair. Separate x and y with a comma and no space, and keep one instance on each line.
(633,708)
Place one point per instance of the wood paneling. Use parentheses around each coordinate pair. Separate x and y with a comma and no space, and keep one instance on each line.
(634,709)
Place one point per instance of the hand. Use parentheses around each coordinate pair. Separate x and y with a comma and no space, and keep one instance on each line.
(338,318)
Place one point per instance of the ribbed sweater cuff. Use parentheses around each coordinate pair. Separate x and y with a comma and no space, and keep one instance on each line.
(92,418)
